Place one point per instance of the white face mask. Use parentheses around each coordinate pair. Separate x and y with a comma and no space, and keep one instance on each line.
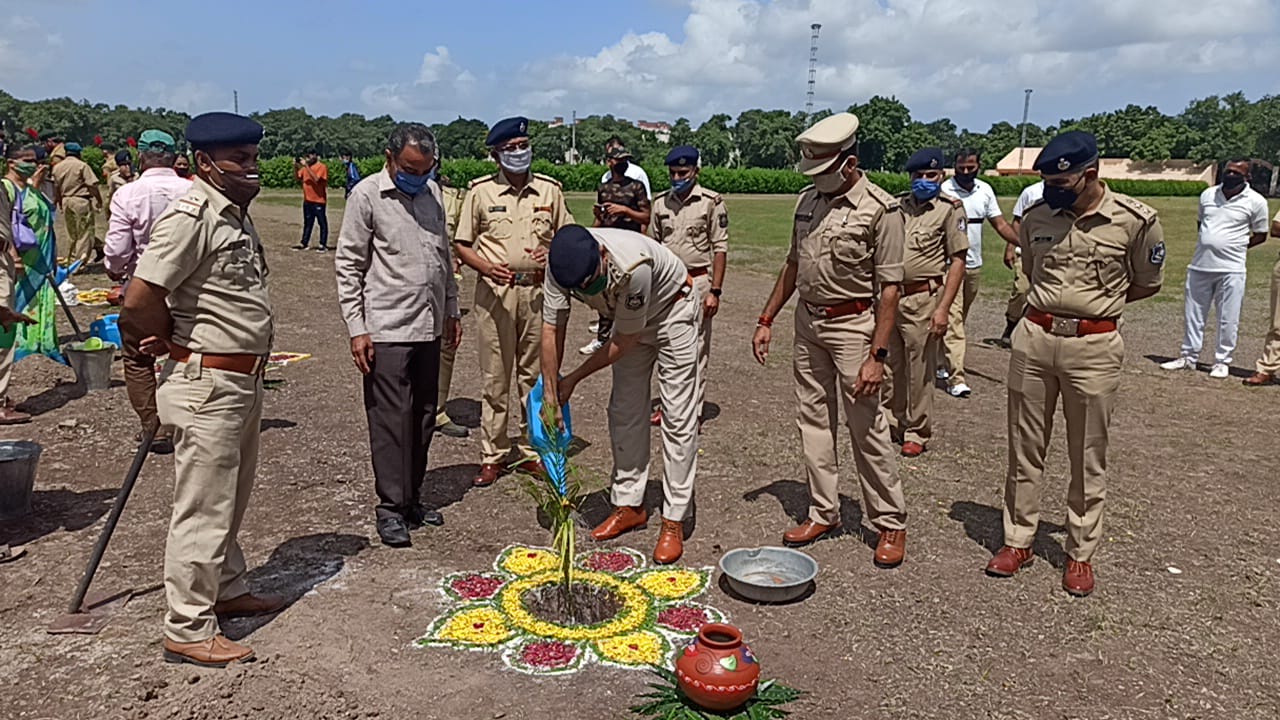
(829,183)
(516,161)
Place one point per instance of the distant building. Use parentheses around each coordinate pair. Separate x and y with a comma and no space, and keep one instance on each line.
(660,130)
(1115,168)
(557,121)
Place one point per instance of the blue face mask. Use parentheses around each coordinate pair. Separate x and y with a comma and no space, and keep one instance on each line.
(411,185)
(680,187)
(925,189)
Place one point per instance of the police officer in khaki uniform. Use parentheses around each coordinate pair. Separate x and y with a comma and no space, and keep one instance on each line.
(847,241)
(646,289)
(933,268)
(448,353)
(1087,251)
(76,192)
(692,221)
(200,294)
(507,222)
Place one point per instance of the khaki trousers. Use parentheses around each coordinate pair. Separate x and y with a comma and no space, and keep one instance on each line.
(673,346)
(6,296)
(1085,373)
(1270,361)
(1017,294)
(509,321)
(216,416)
(701,289)
(447,355)
(913,352)
(81,232)
(954,340)
(828,357)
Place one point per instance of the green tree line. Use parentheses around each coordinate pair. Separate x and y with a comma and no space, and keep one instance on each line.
(1209,129)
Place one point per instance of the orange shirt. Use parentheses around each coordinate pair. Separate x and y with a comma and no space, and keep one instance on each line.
(313,191)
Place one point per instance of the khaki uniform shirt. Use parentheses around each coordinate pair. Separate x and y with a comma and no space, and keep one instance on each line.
(645,279)
(844,246)
(114,182)
(1082,267)
(395,277)
(58,153)
(210,260)
(109,166)
(73,178)
(453,198)
(695,229)
(504,225)
(936,229)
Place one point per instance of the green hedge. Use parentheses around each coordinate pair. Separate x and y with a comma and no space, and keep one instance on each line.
(278,173)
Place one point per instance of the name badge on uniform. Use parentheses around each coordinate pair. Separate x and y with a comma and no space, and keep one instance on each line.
(497,208)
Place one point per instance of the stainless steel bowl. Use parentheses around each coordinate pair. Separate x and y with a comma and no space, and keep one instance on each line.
(769,574)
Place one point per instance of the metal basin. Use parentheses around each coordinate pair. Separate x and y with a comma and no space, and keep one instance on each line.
(769,574)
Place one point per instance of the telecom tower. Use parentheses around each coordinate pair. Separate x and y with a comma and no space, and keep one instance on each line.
(813,69)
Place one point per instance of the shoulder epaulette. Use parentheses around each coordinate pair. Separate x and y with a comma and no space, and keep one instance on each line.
(482,179)
(1145,212)
(882,196)
(189,205)
(549,179)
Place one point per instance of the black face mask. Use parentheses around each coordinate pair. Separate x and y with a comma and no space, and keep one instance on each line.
(239,187)
(965,180)
(1060,198)
(1233,181)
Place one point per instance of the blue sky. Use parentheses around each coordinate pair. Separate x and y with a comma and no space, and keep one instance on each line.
(644,59)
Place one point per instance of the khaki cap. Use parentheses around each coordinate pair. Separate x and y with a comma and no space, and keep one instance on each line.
(821,144)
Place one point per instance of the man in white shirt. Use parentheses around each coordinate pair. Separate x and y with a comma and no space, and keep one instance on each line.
(1030,195)
(980,206)
(1232,219)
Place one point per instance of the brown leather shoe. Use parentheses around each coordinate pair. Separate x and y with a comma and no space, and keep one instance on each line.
(9,415)
(248,605)
(891,549)
(1009,561)
(912,449)
(532,466)
(670,542)
(1258,379)
(619,521)
(807,532)
(216,652)
(1077,580)
(489,473)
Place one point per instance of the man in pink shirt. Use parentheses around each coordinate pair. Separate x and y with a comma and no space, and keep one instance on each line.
(134,209)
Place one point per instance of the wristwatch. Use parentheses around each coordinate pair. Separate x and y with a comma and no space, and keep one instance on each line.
(881,354)
(716,291)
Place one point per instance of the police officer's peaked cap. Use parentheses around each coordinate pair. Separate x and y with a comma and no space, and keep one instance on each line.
(73,148)
(149,139)
(821,145)
(222,129)
(574,256)
(504,130)
(925,159)
(682,156)
(123,157)
(1067,153)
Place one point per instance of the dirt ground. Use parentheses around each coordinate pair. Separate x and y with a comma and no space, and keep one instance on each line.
(1192,486)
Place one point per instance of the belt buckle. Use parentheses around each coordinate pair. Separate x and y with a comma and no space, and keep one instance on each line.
(1065,327)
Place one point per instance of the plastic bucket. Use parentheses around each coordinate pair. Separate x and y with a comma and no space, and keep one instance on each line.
(18,459)
(92,367)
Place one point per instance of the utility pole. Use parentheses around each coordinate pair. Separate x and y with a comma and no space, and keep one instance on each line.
(573,137)
(1026,109)
(813,71)
(235,100)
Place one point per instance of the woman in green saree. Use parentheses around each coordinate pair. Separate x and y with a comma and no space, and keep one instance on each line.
(33,293)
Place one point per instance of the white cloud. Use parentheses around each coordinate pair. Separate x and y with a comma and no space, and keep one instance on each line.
(190,96)
(442,86)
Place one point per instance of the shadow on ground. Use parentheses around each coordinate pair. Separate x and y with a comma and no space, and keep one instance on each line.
(54,510)
(794,498)
(296,567)
(985,525)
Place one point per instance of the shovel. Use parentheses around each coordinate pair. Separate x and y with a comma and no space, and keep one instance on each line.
(89,615)
(66,308)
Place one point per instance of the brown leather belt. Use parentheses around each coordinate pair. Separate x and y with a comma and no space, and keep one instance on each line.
(1070,327)
(243,364)
(926,285)
(698,272)
(527,278)
(851,307)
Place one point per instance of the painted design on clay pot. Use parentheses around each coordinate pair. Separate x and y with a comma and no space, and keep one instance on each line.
(717,671)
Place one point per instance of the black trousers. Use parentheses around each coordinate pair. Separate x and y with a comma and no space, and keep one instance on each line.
(400,402)
(311,214)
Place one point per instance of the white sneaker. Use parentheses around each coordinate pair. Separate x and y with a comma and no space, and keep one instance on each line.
(591,347)
(959,390)
(1220,371)
(1182,363)
(942,374)
(594,327)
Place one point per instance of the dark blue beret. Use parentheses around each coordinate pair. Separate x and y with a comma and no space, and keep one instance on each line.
(926,159)
(222,129)
(504,130)
(682,156)
(1066,153)
(123,157)
(574,256)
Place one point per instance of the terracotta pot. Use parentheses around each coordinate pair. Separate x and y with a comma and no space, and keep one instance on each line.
(717,671)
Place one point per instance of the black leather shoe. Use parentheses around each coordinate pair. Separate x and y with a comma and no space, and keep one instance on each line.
(393,532)
(453,430)
(417,516)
